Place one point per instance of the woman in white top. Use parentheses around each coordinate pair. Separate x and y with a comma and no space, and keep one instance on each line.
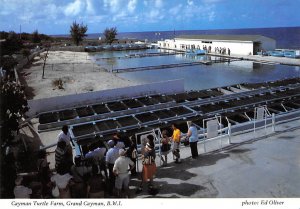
(63,182)
(21,191)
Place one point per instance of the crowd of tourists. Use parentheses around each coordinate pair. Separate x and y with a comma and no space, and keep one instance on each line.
(105,169)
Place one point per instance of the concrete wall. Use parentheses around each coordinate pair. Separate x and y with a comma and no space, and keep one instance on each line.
(69,101)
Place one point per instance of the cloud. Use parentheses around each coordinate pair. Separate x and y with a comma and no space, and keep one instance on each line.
(99,12)
(74,8)
(175,10)
(190,2)
(112,5)
(132,5)
(211,1)
(90,7)
(158,3)
(211,16)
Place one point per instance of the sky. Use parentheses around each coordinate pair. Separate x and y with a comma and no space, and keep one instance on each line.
(55,16)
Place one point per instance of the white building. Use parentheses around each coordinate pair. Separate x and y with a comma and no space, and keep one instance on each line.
(237,44)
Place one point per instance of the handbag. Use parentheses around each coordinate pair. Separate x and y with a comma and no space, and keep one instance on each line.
(55,191)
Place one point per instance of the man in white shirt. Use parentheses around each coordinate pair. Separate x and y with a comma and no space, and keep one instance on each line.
(64,135)
(111,156)
(121,169)
(97,155)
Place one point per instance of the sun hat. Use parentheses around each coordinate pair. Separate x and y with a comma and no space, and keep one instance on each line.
(122,152)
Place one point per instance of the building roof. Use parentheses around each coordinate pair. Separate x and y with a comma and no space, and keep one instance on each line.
(252,38)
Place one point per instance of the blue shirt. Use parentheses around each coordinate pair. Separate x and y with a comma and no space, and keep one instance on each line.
(194,136)
(112,155)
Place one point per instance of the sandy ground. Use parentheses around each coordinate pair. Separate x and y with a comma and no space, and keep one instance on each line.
(77,72)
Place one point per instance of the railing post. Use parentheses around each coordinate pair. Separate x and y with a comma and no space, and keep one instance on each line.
(273,122)
(229,133)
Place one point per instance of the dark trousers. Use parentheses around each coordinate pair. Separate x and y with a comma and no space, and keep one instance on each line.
(133,171)
(112,179)
(194,149)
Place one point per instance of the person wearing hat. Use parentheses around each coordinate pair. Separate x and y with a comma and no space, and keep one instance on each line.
(21,191)
(192,136)
(121,168)
(111,143)
(149,166)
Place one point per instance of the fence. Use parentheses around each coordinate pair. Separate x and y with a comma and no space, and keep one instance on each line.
(215,137)
(72,67)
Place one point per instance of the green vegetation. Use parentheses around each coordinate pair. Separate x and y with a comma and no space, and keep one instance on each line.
(36,37)
(12,43)
(110,35)
(78,32)
(26,53)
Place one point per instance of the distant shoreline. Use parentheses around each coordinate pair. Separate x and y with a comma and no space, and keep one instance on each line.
(286,37)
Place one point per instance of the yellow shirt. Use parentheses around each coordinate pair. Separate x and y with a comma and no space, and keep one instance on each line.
(176,135)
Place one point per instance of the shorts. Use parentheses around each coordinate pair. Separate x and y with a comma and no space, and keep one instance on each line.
(176,146)
(122,181)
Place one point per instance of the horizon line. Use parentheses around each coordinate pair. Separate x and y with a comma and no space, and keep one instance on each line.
(155,31)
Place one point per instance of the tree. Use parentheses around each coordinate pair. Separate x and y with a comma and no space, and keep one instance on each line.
(36,37)
(8,63)
(78,32)
(110,35)
(45,60)
(13,106)
(26,53)
(11,45)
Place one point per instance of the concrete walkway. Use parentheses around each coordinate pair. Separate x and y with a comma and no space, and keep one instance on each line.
(258,58)
(252,167)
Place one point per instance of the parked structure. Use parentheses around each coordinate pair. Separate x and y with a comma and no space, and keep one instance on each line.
(222,44)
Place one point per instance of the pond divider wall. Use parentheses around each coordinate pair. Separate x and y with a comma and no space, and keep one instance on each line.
(74,100)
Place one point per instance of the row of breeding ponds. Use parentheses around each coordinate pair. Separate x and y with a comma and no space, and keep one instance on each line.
(232,104)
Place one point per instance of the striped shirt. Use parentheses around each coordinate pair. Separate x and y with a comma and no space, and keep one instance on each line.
(60,156)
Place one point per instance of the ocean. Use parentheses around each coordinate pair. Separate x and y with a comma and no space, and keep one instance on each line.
(286,37)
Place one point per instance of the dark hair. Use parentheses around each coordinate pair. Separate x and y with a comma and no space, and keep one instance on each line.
(151,143)
(65,128)
(150,137)
(165,133)
(61,170)
(61,144)
(77,160)
(175,125)
(42,153)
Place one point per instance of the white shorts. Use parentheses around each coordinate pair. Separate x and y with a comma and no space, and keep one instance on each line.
(122,181)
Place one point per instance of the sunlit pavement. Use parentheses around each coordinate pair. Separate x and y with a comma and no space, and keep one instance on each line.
(256,167)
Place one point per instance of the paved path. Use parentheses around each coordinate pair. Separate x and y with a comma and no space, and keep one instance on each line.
(262,167)
(279,60)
